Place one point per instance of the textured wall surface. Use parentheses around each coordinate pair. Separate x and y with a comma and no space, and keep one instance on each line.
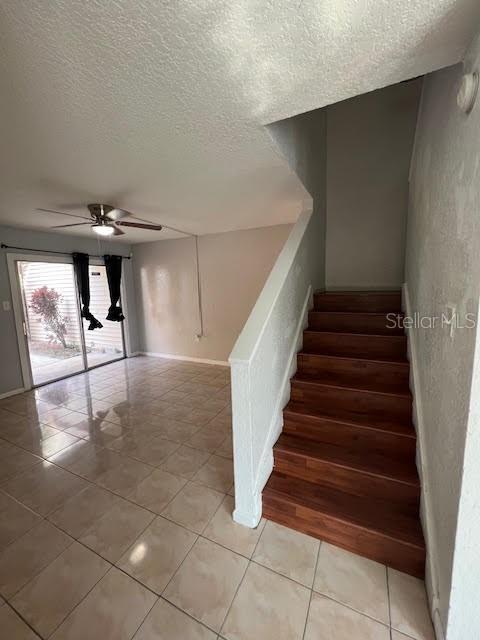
(11,375)
(233,270)
(158,106)
(263,360)
(264,356)
(302,140)
(369,146)
(443,269)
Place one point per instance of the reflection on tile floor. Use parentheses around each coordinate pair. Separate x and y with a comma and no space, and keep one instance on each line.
(115,523)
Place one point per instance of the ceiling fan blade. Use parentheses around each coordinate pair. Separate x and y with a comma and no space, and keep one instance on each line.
(117,231)
(118,214)
(75,224)
(141,225)
(62,213)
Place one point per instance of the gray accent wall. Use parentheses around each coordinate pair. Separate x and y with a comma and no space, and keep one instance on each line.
(353,158)
(369,146)
(303,141)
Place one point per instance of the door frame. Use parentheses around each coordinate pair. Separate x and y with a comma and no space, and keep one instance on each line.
(20,320)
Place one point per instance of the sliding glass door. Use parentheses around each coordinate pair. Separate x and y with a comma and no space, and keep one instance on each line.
(51,320)
(56,341)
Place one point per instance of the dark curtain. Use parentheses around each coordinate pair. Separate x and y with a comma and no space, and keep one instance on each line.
(113,265)
(80,265)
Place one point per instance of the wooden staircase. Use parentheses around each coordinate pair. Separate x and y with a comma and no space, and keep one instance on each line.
(344,466)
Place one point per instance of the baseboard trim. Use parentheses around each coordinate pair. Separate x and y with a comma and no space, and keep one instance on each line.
(426,511)
(173,356)
(13,392)
(266,461)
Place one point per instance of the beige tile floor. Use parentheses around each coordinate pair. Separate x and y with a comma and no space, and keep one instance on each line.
(115,523)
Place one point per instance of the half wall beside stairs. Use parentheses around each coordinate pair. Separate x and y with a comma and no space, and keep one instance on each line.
(263,359)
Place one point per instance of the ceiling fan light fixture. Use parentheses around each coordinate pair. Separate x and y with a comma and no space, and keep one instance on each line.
(103,229)
(106,221)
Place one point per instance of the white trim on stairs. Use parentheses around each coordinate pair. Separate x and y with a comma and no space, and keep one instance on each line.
(276,425)
(426,512)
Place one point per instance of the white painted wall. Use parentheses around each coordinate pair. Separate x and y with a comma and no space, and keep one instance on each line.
(264,356)
(263,361)
(442,269)
(11,375)
(233,270)
(369,146)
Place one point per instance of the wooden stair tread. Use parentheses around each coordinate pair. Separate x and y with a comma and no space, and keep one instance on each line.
(358,300)
(344,466)
(393,336)
(315,380)
(294,409)
(355,457)
(385,348)
(363,322)
(366,513)
(368,314)
(324,356)
(359,292)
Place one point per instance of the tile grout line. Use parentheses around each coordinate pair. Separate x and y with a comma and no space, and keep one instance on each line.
(64,405)
(249,562)
(35,575)
(92,482)
(347,606)
(71,610)
(201,535)
(12,608)
(121,455)
(144,617)
(311,590)
(111,565)
(299,584)
(389,602)
(131,430)
(241,582)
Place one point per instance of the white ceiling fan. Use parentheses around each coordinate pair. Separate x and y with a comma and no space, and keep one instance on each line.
(104,220)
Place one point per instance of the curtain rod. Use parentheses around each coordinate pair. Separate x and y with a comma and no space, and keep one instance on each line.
(62,253)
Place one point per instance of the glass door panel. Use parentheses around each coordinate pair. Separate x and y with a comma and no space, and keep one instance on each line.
(52,325)
(106,344)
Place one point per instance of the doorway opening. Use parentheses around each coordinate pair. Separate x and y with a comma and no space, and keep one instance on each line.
(54,340)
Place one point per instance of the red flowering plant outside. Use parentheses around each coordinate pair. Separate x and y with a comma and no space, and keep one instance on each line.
(45,303)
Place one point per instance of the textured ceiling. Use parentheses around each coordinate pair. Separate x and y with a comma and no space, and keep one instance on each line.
(159,107)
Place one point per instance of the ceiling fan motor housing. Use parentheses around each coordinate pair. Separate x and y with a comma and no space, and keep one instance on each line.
(99,210)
